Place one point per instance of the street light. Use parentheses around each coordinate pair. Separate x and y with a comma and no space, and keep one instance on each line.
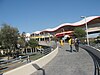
(63,33)
(86,29)
(39,37)
(49,36)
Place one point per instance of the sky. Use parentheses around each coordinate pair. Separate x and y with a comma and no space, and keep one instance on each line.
(36,15)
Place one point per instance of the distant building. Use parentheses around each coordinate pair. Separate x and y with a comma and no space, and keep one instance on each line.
(93,23)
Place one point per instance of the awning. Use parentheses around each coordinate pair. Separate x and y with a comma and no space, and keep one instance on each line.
(64,34)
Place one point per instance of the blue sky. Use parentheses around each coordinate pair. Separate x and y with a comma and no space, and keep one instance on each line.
(34,15)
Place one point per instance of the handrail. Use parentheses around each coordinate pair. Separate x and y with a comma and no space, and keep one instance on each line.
(4,67)
(29,69)
(95,54)
(38,68)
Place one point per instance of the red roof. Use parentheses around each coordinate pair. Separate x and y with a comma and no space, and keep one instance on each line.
(63,33)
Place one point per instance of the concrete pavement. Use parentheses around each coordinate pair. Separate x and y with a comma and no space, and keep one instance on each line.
(67,63)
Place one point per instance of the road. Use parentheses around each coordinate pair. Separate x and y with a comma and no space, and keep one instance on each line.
(67,63)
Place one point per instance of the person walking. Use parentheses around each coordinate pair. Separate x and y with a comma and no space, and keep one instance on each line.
(77,44)
(70,43)
(61,43)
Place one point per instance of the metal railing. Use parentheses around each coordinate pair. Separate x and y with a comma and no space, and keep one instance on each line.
(6,66)
(22,60)
(95,54)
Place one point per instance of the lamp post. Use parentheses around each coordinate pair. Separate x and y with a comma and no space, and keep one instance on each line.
(39,37)
(86,30)
(63,33)
(49,37)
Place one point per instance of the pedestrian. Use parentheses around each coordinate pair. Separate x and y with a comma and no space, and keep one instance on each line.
(70,43)
(77,44)
(61,43)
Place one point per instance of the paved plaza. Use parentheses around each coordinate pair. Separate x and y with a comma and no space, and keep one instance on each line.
(67,63)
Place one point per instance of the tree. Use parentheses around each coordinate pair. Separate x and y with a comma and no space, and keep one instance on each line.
(32,43)
(79,32)
(98,39)
(21,40)
(9,36)
(0,40)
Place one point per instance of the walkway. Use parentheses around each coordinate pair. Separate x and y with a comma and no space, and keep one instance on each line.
(67,63)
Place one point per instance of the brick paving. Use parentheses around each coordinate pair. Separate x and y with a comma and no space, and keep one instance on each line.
(67,63)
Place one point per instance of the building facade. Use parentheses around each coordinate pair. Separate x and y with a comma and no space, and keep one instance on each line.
(93,24)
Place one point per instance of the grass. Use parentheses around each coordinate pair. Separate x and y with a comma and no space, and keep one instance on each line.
(36,56)
(32,58)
